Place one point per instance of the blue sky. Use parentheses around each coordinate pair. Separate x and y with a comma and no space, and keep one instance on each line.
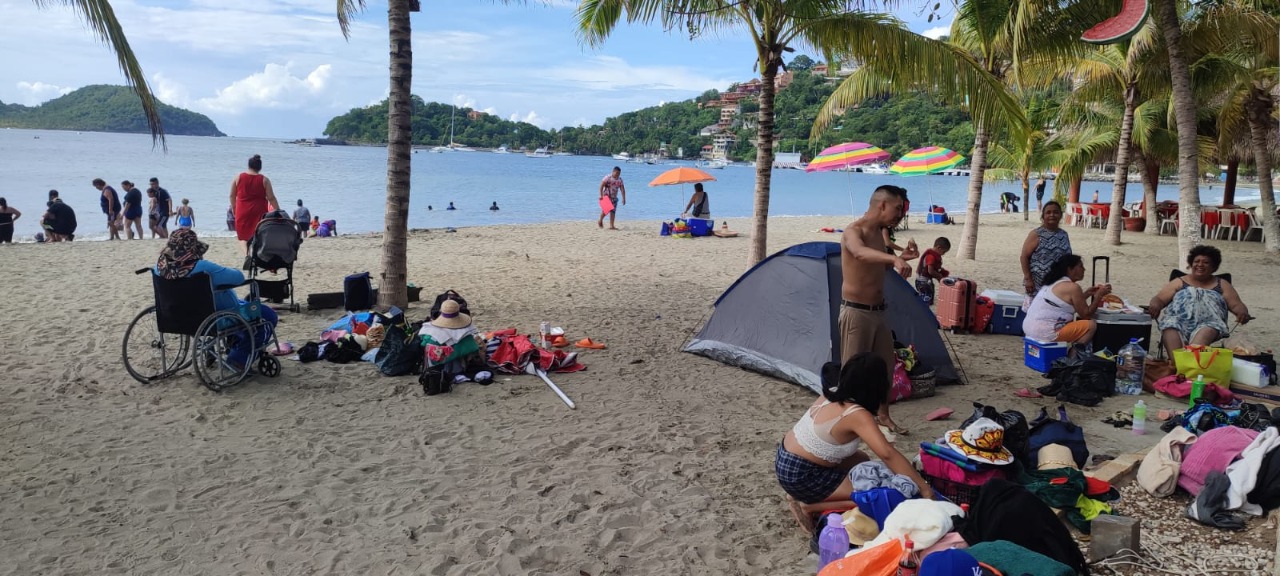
(281,68)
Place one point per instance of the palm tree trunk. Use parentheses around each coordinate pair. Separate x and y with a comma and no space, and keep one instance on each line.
(1150,172)
(1258,110)
(1115,223)
(1229,187)
(977,168)
(1073,192)
(764,162)
(393,286)
(1026,196)
(1184,111)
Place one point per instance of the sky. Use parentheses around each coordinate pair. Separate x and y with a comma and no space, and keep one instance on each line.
(282,69)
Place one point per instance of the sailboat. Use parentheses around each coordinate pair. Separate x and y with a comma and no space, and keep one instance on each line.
(452,147)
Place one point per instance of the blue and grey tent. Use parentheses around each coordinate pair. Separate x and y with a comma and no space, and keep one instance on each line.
(780,318)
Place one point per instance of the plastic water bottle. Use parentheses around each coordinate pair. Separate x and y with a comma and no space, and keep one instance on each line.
(1130,364)
(1197,390)
(1140,418)
(833,542)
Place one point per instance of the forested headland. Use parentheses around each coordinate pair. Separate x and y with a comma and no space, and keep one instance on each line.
(104,108)
(898,124)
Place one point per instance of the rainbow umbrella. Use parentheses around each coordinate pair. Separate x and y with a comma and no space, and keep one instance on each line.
(927,160)
(846,155)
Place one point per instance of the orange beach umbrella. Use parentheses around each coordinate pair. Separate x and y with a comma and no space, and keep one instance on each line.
(682,175)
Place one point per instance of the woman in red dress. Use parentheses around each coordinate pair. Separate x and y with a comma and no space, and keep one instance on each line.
(252,196)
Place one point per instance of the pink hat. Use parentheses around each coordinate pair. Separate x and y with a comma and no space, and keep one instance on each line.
(1214,450)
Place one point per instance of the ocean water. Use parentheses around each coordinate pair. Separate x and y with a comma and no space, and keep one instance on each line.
(348,183)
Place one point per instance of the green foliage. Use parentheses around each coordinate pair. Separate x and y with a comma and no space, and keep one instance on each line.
(899,124)
(103,108)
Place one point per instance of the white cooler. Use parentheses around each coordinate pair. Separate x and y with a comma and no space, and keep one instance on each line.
(1249,373)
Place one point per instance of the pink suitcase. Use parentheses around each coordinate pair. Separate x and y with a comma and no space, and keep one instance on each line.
(956,304)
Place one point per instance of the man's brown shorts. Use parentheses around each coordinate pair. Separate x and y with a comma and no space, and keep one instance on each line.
(865,331)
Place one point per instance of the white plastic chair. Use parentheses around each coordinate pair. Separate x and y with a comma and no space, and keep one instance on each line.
(1075,214)
(1170,222)
(1253,225)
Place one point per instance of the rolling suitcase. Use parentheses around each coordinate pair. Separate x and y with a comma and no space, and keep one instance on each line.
(957,301)
(1115,329)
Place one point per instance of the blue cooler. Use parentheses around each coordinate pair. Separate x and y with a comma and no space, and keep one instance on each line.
(1039,356)
(1008,315)
(701,227)
(932,218)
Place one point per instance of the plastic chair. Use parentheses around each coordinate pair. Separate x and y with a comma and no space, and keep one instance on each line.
(1075,214)
(1170,222)
(1253,225)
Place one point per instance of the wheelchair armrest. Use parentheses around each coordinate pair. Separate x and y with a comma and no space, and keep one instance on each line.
(233,286)
(142,270)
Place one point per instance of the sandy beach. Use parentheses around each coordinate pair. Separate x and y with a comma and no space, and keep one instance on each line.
(666,467)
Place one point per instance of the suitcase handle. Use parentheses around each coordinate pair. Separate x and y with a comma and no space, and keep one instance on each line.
(1094,278)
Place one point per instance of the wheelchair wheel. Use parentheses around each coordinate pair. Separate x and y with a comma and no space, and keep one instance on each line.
(217,336)
(151,355)
(268,366)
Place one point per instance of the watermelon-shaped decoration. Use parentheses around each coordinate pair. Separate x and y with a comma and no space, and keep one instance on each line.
(1120,27)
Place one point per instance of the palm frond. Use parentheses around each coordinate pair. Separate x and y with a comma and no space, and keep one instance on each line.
(347,11)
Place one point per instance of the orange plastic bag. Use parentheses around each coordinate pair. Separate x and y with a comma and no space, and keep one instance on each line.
(879,561)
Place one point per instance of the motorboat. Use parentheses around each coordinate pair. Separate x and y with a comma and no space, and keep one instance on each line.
(502,150)
(539,153)
(873,169)
(623,156)
(717,163)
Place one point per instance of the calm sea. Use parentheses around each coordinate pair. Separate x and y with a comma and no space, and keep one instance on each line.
(348,183)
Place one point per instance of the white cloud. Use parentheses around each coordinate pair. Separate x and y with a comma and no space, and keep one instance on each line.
(532,118)
(937,32)
(33,93)
(169,91)
(275,87)
(611,73)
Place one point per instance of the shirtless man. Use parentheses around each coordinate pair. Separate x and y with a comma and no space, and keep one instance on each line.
(864,323)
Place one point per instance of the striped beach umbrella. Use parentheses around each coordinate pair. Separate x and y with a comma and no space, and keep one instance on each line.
(926,160)
(845,155)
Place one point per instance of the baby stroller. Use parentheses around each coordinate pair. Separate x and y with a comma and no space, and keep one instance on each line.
(274,247)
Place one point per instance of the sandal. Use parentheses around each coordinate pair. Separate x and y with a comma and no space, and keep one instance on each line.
(1027,393)
(589,344)
(895,428)
(802,518)
(559,342)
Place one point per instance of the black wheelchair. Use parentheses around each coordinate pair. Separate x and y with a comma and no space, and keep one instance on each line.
(185,328)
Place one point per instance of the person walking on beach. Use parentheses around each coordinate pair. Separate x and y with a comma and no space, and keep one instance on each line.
(864,322)
(252,196)
(303,217)
(110,203)
(611,186)
(8,216)
(153,216)
(187,216)
(132,214)
(164,207)
(1039,194)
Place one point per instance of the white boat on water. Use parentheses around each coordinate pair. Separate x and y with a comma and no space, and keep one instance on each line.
(873,169)
(623,156)
(539,153)
(502,150)
(563,154)
(717,164)
(308,143)
(441,149)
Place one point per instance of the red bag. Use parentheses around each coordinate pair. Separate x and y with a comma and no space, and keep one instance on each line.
(983,309)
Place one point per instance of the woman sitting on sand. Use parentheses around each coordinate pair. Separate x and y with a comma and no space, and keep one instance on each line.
(1052,316)
(815,457)
(1193,309)
(183,256)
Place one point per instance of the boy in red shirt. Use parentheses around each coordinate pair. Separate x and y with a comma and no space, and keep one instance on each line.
(930,268)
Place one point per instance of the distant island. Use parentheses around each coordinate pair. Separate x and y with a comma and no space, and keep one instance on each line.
(713,125)
(104,108)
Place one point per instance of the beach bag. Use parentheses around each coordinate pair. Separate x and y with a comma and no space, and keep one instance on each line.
(357,292)
(1014,423)
(881,560)
(878,503)
(1046,431)
(400,353)
(1153,370)
(901,389)
(343,351)
(1081,381)
(1213,363)
(449,295)
(436,380)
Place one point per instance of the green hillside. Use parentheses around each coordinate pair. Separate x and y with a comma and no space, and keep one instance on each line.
(103,108)
(897,124)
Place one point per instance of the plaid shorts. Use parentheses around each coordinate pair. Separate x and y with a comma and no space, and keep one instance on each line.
(804,480)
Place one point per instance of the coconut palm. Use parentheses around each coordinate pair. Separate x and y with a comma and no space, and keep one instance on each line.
(1184,111)
(101,19)
(833,27)
(1242,73)
(1017,158)
(393,286)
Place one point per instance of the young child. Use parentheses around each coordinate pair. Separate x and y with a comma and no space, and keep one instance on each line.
(930,268)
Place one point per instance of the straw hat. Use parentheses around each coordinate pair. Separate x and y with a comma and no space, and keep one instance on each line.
(450,317)
(1054,456)
(981,441)
(861,528)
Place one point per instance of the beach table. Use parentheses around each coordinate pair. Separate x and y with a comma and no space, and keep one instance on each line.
(1096,213)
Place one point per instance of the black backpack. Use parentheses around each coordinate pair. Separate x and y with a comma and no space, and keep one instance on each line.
(357,292)
(449,295)
(401,352)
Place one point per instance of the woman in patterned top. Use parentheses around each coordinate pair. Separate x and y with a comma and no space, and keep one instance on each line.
(1043,246)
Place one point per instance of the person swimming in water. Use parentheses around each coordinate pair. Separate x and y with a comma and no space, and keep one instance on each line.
(451,207)
(495,205)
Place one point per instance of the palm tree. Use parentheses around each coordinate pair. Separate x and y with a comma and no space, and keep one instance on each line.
(833,27)
(1016,159)
(1184,111)
(101,19)
(393,284)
